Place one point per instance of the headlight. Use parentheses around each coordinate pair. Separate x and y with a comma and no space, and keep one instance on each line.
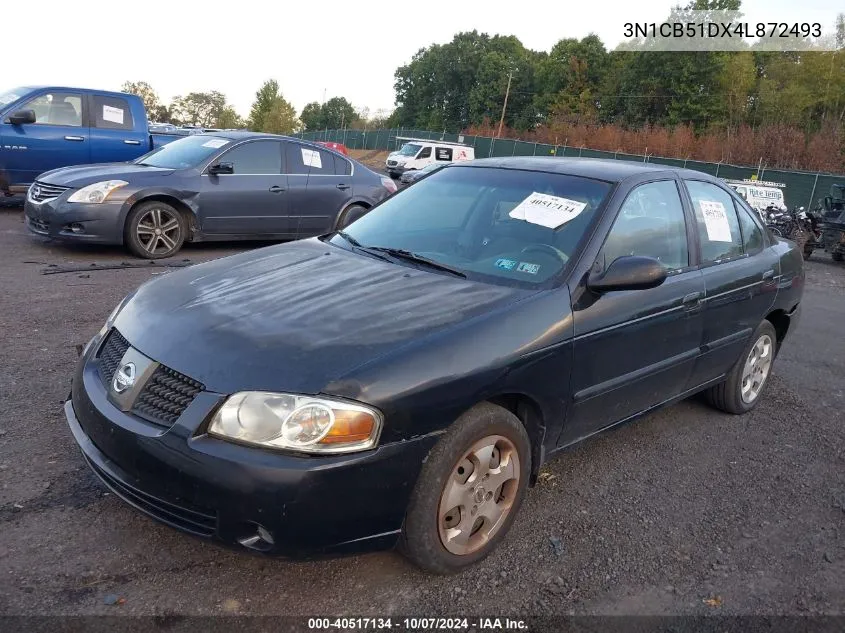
(98,192)
(298,423)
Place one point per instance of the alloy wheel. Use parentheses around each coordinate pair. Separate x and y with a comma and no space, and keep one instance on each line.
(756,369)
(478,495)
(158,231)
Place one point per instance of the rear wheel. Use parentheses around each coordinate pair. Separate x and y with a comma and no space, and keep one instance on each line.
(741,391)
(469,491)
(350,214)
(155,230)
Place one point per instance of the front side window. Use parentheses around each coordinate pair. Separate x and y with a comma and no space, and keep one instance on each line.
(255,158)
(716,222)
(650,224)
(57,108)
(425,153)
(189,151)
(502,226)
(112,113)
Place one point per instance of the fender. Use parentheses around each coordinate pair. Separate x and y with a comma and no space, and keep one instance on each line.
(183,198)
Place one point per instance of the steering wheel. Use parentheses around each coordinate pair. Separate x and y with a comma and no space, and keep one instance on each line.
(545,248)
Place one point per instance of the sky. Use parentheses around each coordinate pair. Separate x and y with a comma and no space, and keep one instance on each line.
(313,49)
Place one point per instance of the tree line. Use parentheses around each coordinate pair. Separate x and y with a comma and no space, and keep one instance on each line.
(786,108)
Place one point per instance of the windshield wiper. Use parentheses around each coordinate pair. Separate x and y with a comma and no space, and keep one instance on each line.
(349,238)
(356,245)
(401,253)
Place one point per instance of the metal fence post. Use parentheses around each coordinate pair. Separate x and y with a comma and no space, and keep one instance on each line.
(492,145)
(535,149)
(813,192)
(717,168)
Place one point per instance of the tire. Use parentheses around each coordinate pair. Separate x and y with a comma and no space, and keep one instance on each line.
(728,395)
(350,214)
(426,530)
(837,257)
(154,230)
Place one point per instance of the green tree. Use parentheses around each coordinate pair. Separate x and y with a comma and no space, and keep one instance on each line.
(312,116)
(152,104)
(337,112)
(199,108)
(229,119)
(270,111)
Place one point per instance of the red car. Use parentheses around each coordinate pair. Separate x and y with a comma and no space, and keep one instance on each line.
(338,147)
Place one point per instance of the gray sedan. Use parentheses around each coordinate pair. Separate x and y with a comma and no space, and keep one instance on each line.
(218,186)
(413,175)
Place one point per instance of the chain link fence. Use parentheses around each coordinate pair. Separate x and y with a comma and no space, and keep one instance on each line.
(803,188)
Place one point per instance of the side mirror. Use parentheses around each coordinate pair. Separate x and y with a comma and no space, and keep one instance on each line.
(628,273)
(221,168)
(22,117)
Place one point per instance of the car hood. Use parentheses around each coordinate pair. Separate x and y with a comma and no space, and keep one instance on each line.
(295,317)
(83,175)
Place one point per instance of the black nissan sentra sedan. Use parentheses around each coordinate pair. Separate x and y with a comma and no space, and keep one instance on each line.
(401,381)
(223,186)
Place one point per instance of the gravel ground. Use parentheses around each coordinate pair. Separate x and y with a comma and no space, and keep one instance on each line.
(658,517)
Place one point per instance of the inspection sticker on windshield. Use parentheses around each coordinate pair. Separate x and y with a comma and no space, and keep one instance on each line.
(545,210)
(716,221)
(531,269)
(115,115)
(311,158)
(507,264)
(215,143)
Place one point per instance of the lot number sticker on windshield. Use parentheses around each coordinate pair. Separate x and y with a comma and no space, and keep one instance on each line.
(716,221)
(115,115)
(215,143)
(546,210)
(311,158)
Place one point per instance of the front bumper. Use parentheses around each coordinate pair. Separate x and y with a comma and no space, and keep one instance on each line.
(309,506)
(76,221)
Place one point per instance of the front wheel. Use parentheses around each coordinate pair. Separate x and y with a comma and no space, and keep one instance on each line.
(741,391)
(350,214)
(154,230)
(469,491)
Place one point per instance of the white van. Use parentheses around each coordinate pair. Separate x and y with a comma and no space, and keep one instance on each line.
(416,153)
(760,194)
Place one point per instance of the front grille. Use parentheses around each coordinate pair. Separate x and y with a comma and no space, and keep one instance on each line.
(110,354)
(196,520)
(41,191)
(391,163)
(166,396)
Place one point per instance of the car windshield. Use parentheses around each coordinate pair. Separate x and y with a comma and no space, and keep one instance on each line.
(496,225)
(409,149)
(9,96)
(184,153)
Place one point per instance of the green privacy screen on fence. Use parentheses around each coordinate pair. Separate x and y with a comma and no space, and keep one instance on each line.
(802,188)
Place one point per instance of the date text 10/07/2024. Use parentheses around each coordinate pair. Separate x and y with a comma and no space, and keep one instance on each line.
(418,624)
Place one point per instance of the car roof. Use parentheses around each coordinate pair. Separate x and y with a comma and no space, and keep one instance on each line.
(606,169)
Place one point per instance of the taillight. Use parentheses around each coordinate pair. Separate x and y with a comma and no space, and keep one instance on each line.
(389,184)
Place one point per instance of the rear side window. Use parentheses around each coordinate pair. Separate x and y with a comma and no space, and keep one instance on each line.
(255,158)
(112,113)
(301,159)
(752,234)
(444,153)
(56,108)
(716,222)
(342,167)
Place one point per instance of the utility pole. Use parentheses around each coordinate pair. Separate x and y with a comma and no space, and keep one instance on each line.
(505,106)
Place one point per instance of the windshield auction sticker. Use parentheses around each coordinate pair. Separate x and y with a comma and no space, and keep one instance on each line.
(545,210)
(716,221)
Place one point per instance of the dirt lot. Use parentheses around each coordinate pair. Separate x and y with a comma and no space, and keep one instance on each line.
(685,506)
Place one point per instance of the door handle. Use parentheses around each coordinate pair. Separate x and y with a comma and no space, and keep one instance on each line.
(342,186)
(768,274)
(74,138)
(131,142)
(276,189)
(692,301)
